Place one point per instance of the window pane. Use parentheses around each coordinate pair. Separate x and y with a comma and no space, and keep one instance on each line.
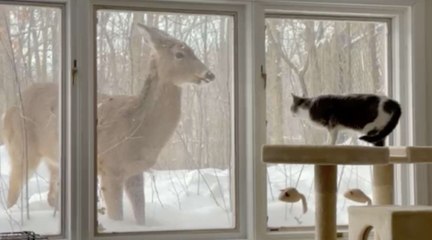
(165,121)
(314,57)
(30,73)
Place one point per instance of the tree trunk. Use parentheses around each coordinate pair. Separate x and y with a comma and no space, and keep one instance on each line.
(274,88)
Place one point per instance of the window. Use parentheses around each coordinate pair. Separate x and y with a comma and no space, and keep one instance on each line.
(171,140)
(309,56)
(145,119)
(288,23)
(31,166)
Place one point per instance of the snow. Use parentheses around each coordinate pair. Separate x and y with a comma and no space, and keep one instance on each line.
(183,199)
(192,199)
(42,217)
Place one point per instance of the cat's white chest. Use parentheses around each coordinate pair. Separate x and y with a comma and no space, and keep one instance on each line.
(302,114)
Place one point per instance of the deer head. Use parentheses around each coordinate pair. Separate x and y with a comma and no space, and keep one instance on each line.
(176,61)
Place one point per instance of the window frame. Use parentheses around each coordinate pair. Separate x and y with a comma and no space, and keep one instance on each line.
(64,102)
(387,65)
(409,43)
(407,21)
(86,104)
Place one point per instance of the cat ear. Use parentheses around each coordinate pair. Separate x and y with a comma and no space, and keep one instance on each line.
(296,99)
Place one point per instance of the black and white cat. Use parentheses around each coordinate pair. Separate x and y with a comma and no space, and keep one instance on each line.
(373,115)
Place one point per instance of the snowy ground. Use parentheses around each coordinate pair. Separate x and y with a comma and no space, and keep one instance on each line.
(42,217)
(195,199)
(301,177)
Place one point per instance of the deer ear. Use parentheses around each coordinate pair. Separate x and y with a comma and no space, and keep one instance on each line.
(155,37)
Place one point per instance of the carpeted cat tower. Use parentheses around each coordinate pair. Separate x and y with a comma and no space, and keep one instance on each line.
(325,160)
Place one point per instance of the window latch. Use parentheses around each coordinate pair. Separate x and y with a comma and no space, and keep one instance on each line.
(74,71)
(264,76)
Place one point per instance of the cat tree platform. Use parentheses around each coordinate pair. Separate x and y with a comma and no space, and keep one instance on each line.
(326,158)
(390,222)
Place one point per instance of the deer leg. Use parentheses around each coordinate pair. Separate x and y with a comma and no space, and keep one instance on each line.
(17,175)
(112,189)
(134,187)
(53,186)
(15,185)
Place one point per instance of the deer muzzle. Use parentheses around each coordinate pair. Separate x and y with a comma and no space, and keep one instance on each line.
(209,76)
(204,77)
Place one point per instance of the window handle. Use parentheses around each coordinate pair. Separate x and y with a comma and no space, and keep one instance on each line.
(74,71)
(264,76)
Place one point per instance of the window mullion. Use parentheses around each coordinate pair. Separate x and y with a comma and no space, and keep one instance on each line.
(83,114)
(260,192)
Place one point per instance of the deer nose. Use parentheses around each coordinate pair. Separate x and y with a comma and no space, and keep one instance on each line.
(209,75)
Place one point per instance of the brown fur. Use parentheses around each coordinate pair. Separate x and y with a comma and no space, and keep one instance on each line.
(132,130)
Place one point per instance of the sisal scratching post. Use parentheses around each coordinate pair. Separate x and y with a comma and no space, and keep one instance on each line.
(383,184)
(325,200)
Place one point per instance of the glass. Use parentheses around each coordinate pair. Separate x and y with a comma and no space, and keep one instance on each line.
(314,57)
(165,85)
(30,75)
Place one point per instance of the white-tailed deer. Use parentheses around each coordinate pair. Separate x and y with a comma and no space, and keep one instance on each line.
(131,130)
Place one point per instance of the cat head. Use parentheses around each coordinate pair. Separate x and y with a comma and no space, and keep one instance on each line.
(299,103)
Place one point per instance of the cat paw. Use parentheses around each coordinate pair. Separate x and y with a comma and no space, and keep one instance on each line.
(366,139)
(373,140)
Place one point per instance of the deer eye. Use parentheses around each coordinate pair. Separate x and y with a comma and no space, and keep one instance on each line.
(179,55)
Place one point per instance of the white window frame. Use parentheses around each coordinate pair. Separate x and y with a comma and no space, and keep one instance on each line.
(85,216)
(409,76)
(64,83)
(408,81)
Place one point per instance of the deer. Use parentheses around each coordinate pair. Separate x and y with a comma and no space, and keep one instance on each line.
(131,130)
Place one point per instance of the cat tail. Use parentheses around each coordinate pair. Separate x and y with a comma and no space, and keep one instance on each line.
(389,106)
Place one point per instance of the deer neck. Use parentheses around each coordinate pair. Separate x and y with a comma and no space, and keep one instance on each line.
(157,95)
